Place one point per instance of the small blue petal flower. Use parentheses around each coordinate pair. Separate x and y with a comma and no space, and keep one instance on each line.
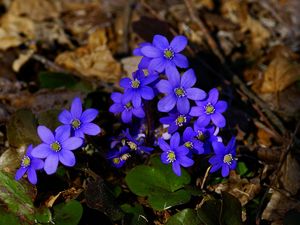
(145,61)
(175,121)
(224,157)
(165,56)
(29,165)
(78,122)
(135,144)
(138,88)
(119,157)
(56,148)
(175,154)
(210,110)
(178,91)
(127,109)
(191,142)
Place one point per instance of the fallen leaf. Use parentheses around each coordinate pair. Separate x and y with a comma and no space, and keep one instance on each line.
(23,58)
(130,64)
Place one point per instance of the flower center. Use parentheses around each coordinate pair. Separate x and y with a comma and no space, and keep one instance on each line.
(125,156)
(228,159)
(180,120)
(55,146)
(169,53)
(128,106)
(76,124)
(116,161)
(188,144)
(25,161)
(201,136)
(135,83)
(132,145)
(209,109)
(180,92)
(171,156)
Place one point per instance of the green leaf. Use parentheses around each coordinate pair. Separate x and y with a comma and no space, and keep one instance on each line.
(54,80)
(231,210)
(137,212)
(185,217)
(68,213)
(21,128)
(160,184)
(241,168)
(209,213)
(9,219)
(49,118)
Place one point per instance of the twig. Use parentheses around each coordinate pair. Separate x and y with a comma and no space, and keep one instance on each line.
(126,23)
(236,80)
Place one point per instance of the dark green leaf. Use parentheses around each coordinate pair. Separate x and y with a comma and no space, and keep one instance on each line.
(185,217)
(137,212)
(49,118)
(231,210)
(241,168)
(209,213)
(68,213)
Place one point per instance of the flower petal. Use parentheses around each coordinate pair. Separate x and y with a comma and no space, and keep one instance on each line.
(157,64)
(150,78)
(76,108)
(51,163)
(65,117)
(125,82)
(62,133)
(116,108)
(88,115)
(116,97)
(31,174)
(164,158)
(203,120)
(160,42)
(225,170)
(221,106)
(45,134)
(163,145)
(175,140)
(178,43)
(173,76)
(138,112)
(164,86)
(151,51)
(72,143)
(219,148)
(218,119)
(136,99)
(176,168)
(213,96)
(186,161)
(20,173)
(41,151)
(188,134)
(181,61)
(144,63)
(215,167)
(147,93)
(126,116)
(90,129)
(183,105)
(128,95)
(67,158)
(167,103)
(195,111)
(195,94)
(37,164)
(188,79)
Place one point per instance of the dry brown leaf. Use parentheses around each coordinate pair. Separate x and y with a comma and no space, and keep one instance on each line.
(23,58)
(36,9)
(92,61)
(130,64)
(280,74)
(242,189)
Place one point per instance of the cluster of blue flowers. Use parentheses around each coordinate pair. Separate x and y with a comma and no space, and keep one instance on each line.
(58,146)
(194,116)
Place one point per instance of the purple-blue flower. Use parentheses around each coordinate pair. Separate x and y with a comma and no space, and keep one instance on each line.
(138,88)
(207,135)
(166,56)
(191,142)
(118,157)
(136,144)
(224,157)
(126,109)
(175,120)
(29,165)
(210,110)
(78,122)
(178,91)
(56,148)
(175,154)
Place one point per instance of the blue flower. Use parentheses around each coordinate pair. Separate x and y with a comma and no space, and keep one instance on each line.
(191,142)
(29,165)
(136,145)
(178,91)
(118,157)
(175,154)
(126,109)
(78,122)
(138,88)
(175,120)
(207,135)
(165,56)
(210,110)
(224,157)
(56,148)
